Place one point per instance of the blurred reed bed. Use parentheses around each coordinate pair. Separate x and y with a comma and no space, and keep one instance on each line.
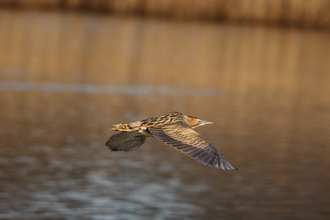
(304,13)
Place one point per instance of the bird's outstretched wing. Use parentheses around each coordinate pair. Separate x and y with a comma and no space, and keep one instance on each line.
(125,141)
(183,138)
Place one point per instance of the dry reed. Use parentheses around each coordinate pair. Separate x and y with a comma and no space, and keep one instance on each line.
(304,13)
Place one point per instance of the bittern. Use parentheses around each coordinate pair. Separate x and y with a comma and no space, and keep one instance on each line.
(174,129)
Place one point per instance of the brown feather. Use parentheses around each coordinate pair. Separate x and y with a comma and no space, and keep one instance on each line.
(180,136)
(125,141)
(174,129)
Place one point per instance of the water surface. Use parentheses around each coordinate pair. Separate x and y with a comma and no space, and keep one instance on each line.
(66,78)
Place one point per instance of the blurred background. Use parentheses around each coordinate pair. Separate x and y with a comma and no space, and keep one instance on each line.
(69,69)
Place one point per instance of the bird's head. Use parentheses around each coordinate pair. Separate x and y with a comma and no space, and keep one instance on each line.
(195,122)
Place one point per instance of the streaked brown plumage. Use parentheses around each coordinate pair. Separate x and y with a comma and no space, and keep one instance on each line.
(174,129)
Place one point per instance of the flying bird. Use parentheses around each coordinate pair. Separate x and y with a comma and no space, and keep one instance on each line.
(174,129)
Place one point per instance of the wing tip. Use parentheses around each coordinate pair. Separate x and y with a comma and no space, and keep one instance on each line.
(224,165)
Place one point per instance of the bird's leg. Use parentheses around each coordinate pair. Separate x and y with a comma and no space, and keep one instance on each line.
(121,127)
(133,126)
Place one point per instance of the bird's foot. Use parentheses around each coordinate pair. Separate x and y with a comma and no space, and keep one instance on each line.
(121,127)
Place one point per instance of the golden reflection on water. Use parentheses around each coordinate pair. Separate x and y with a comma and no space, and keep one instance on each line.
(66,78)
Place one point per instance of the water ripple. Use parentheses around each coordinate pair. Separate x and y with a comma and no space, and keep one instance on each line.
(108,89)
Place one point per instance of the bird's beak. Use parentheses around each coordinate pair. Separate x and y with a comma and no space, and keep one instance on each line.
(205,122)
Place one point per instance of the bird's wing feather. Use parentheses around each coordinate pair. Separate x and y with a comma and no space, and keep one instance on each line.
(183,138)
(125,141)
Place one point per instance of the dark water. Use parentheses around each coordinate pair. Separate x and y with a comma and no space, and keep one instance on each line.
(66,78)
